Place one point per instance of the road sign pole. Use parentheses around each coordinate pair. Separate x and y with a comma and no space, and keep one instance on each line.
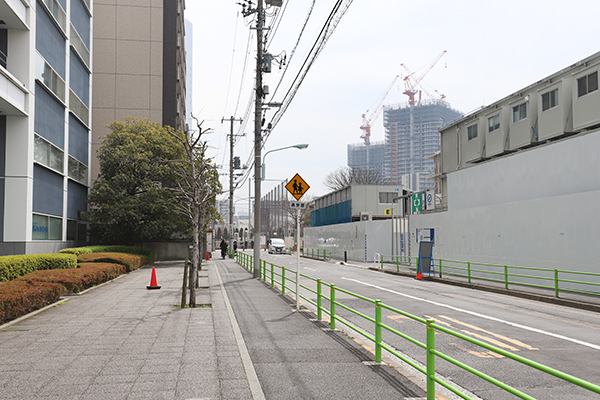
(298,259)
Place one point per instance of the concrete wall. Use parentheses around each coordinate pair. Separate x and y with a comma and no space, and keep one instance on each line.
(361,240)
(167,251)
(537,208)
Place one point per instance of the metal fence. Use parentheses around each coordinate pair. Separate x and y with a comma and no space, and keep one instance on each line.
(277,278)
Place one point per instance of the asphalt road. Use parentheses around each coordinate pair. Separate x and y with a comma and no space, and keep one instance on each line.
(559,337)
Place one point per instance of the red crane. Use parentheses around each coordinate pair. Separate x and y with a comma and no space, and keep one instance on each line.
(368,122)
(410,83)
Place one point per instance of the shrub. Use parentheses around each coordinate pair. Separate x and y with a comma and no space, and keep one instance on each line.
(76,280)
(12,267)
(130,261)
(151,254)
(20,297)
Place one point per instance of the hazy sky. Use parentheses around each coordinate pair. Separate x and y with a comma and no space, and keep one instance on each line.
(493,49)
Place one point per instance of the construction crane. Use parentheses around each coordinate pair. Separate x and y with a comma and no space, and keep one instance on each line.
(410,82)
(368,122)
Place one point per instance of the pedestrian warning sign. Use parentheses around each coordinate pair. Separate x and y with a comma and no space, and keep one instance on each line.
(297,186)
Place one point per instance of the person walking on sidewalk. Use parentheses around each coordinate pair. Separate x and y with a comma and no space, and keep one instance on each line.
(223,247)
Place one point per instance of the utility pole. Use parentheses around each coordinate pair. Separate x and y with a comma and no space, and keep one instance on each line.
(260,20)
(231,139)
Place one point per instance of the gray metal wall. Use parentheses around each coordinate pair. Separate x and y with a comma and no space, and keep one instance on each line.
(361,240)
(537,208)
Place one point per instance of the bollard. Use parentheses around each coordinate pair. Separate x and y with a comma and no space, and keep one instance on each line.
(319,312)
(345,256)
(377,331)
(430,360)
(332,307)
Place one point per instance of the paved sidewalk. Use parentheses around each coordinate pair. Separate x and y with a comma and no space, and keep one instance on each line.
(122,341)
(296,357)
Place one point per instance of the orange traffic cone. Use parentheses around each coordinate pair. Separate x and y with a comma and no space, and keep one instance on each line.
(153,284)
(419,276)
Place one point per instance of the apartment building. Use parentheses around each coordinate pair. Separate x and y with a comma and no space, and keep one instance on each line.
(139,65)
(45,100)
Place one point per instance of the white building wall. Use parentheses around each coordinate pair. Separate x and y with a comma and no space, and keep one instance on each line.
(537,208)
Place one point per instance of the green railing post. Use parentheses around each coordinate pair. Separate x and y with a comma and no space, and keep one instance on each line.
(506,277)
(469,271)
(440,267)
(556,290)
(397,265)
(312,253)
(272,276)
(282,280)
(430,360)
(377,331)
(319,299)
(332,307)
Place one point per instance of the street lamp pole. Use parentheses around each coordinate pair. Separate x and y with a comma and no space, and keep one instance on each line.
(301,146)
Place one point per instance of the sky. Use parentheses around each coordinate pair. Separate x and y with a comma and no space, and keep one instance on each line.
(493,49)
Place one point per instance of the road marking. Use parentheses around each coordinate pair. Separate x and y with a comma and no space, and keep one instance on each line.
(310,269)
(507,339)
(528,328)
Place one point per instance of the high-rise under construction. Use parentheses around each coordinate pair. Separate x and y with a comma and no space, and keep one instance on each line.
(411,138)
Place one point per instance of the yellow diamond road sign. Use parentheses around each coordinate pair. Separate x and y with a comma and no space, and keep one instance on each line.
(297,186)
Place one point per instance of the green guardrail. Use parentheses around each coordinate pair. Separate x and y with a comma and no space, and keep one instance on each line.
(276,276)
(319,254)
(471,271)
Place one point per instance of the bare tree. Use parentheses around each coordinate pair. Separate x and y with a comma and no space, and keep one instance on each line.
(346,176)
(197,186)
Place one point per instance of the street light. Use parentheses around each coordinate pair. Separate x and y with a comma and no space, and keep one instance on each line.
(263,166)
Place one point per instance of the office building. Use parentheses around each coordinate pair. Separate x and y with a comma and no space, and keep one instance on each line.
(45,99)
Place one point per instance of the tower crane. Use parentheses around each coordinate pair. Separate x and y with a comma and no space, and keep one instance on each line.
(369,121)
(410,82)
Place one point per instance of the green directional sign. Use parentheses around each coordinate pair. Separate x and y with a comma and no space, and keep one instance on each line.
(417,202)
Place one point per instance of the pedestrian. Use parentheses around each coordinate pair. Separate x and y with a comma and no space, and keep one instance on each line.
(234,246)
(223,247)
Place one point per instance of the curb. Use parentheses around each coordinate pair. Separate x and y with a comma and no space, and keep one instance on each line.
(61,301)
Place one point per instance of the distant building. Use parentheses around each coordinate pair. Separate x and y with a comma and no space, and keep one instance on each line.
(355,203)
(357,156)
(45,98)
(411,138)
(139,65)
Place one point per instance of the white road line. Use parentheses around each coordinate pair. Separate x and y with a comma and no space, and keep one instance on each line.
(310,269)
(528,328)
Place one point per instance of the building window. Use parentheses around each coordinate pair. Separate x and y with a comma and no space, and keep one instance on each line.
(472,132)
(387,197)
(46,228)
(47,154)
(494,123)
(519,112)
(549,99)
(587,84)
(76,230)
(78,171)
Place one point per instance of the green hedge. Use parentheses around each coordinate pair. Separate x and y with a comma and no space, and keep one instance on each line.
(129,261)
(12,267)
(20,297)
(41,288)
(151,254)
